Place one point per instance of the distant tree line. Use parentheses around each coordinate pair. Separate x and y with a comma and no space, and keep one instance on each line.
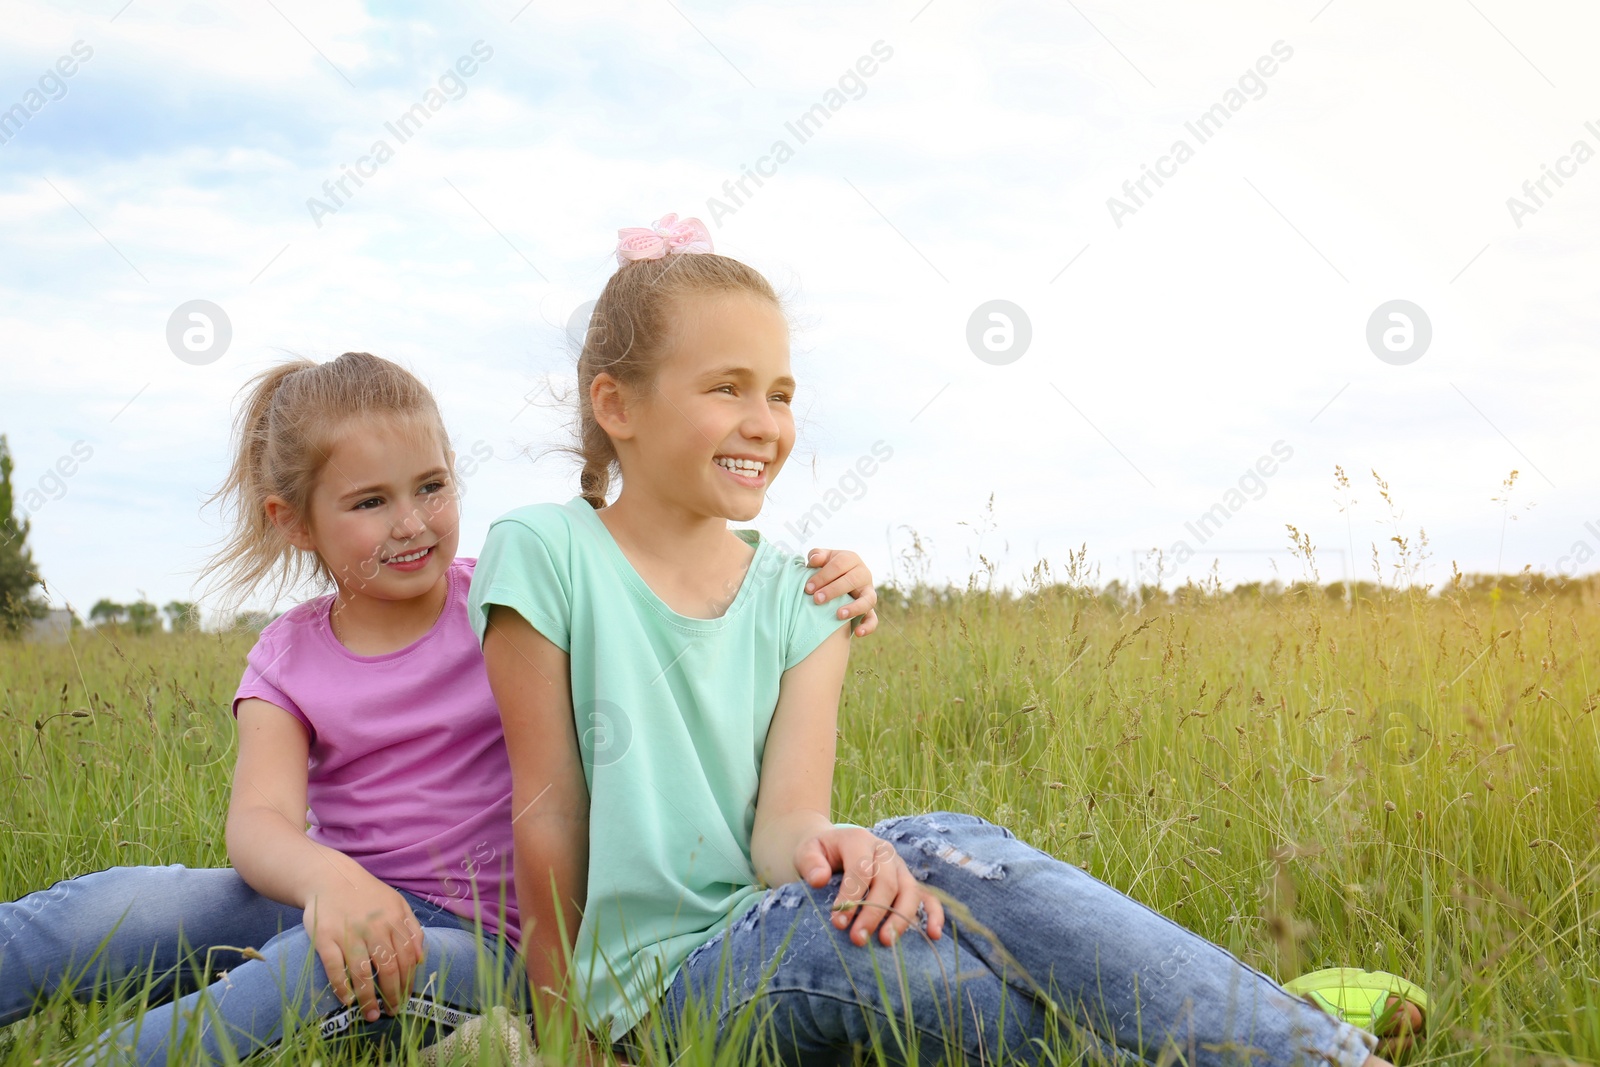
(20,585)
(182,616)
(1527,586)
(142,617)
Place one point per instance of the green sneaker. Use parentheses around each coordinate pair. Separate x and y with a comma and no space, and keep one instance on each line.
(1358,997)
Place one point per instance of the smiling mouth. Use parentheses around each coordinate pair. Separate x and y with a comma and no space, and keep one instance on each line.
(750,468)
(409,557)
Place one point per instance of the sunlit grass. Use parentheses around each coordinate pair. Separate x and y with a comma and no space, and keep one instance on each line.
(1407,781)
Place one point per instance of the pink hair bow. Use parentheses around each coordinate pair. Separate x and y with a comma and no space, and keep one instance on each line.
(667,235)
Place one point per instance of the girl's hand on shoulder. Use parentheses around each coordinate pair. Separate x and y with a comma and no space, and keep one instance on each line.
(878,891)
(838,572)
(369,943)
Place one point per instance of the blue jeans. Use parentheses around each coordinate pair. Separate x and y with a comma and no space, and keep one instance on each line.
(1068,955)
(160,931)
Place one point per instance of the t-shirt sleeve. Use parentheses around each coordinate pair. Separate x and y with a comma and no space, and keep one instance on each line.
(524,567)
(265,678)
(809,623)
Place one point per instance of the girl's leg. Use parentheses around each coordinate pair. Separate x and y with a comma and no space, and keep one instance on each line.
(1134,977)
(254,1005)
(128,925)
(815,995)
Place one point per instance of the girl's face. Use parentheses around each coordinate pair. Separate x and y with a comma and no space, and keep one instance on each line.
(384,515)
(717,424)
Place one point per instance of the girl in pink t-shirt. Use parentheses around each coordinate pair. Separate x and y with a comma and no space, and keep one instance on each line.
(365,713)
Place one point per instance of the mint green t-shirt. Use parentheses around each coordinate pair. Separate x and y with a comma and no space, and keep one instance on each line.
(672,715)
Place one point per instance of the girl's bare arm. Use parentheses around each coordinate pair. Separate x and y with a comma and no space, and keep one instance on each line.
(363,929)
(549,799)
(794,836)
(795,798)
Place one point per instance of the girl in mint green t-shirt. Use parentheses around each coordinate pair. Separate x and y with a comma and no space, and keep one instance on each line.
(670,697)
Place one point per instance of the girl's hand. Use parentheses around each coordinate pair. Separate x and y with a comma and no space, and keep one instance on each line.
(369,943)
(839,572)
(878,890)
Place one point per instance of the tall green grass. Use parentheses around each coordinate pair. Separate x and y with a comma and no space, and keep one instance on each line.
(1380,777)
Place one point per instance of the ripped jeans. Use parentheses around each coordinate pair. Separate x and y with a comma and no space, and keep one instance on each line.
(1063,954)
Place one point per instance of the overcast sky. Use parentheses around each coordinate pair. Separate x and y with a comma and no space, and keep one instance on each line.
(1317,161)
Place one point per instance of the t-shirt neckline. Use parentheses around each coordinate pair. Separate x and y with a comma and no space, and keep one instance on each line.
(325,625)
(635,580)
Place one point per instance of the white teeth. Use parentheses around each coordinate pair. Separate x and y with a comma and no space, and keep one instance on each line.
(752,465)
(407,559)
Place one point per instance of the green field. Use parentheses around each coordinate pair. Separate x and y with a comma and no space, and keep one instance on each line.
(1406,782)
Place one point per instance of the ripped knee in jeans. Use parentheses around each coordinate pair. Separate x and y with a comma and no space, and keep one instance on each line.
(928,836)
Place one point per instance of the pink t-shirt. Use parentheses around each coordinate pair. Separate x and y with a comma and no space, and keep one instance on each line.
(408,773)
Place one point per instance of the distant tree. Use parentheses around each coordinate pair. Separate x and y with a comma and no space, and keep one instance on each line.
(182,616)
(18,577)
(1115,593)
(251,620)
(143,616)
(1152,594)
(891,598)
(108,612)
